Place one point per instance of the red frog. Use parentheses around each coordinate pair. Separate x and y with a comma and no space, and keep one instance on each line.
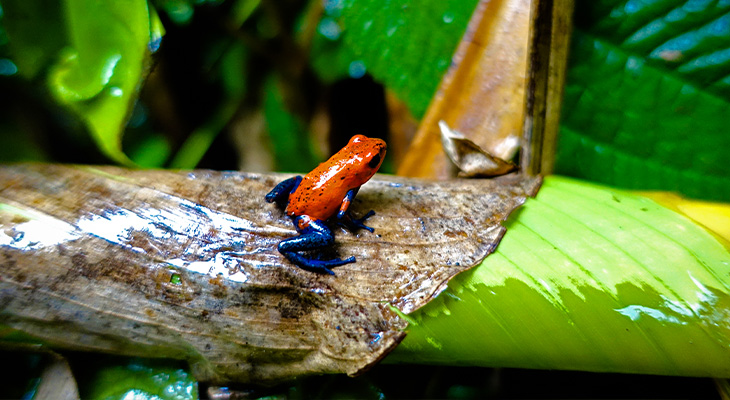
(324,193)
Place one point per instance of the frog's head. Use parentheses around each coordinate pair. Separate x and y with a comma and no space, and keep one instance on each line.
(367,155)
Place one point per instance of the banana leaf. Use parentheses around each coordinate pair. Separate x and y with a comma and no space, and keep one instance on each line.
(589,278)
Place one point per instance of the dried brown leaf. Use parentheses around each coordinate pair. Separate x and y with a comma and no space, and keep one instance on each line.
(184,265)
(57,382)
(482,93)
(470,159)
(503,89)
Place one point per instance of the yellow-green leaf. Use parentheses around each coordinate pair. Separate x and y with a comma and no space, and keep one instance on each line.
(587,278)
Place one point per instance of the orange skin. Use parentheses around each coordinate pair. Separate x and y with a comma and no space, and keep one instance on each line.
(322,192)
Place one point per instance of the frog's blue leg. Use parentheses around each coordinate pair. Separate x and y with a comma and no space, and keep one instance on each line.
(315,236)
(344,216)
(354,224)
(280,193)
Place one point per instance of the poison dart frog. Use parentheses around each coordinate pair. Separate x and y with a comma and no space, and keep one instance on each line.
(324,193)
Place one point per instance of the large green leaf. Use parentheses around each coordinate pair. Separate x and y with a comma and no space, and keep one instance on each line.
(92,56)
(407,45)
(587,278)
(647,96)
(141,379)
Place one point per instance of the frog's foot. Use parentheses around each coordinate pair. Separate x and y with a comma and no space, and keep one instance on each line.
(318,266)
(354,224)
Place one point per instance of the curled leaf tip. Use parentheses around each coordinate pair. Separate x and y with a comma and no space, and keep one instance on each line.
(471,160)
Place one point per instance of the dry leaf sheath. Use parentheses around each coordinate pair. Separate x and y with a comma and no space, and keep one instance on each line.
(184,265)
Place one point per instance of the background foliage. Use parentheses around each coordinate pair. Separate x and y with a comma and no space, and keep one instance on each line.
(647,96)
(264,85)
(645,100)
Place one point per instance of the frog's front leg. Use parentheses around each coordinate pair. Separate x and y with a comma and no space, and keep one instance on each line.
(280,193)
(313,234)
(345,218)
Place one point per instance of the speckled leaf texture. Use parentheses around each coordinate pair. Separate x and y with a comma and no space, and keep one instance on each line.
(648,96)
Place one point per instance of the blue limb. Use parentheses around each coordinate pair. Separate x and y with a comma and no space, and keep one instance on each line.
(354,224)
(349,196)
(318,266)
(344,216)
(280,193)
(315,236)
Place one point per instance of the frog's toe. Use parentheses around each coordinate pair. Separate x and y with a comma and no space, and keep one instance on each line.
(366,216)
(354,224)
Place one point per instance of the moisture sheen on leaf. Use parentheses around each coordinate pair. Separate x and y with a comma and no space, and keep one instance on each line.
(589,278)
(184,265)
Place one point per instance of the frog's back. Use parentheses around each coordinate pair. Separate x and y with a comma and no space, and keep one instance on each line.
(321,192)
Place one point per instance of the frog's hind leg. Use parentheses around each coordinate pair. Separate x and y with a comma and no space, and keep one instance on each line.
(314,236)
(318,266)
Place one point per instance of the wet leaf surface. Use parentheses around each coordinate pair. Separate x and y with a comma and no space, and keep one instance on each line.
(184,265)
(588,278)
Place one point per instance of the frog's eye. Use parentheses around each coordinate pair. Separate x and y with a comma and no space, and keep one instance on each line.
(374,162)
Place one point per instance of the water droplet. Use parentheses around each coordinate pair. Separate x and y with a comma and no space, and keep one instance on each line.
(7,67)
(391,30)
(632,6)
(357,69)
(329,29)
(633,64)
(448,17)
(116,91)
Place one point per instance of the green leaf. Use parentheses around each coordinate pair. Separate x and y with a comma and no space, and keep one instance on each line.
(93,58)
(393,41)
(586,278)
(293,151)
(647,96)
(242,10)
(141,379)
